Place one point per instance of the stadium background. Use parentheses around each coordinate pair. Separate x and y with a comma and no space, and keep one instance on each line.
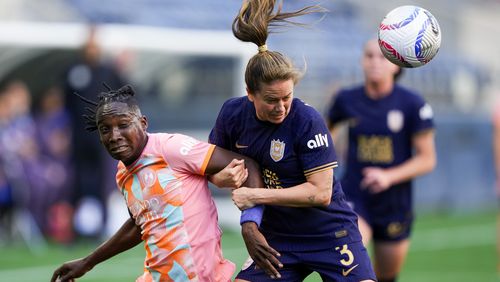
(182,58)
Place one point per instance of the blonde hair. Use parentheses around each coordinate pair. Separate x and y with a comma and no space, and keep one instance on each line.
(252,24)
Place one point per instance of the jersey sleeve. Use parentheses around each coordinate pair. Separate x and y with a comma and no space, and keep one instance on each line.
(335,113)
(218,135)
(186,154)
(315,146)
(422,116)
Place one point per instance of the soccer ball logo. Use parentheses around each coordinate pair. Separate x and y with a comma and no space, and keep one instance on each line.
(409,36)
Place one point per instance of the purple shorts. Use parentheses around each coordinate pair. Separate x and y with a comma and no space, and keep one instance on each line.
(346,262)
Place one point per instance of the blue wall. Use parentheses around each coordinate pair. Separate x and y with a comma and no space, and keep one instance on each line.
(463,180)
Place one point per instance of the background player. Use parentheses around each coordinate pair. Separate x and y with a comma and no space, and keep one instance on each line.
(92,166)
(386,124)
(162,178)
(306,218)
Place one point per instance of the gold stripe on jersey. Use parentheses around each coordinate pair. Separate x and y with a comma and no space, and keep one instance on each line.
(320,168)
(316,171)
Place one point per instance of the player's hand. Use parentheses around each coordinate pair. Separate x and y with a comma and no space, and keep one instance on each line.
(70,270)
(233,175)
(242,198)
(262,254)
(375,179)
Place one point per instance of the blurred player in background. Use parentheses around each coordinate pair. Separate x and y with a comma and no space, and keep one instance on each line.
(162,178)
(94,167)
(390,142)
(307,224)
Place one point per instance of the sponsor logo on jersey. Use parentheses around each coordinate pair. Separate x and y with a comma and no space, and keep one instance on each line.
(277,150)
(426,112)
(239,146)
(346,272)
(318,141)
(187,145)
(395,120)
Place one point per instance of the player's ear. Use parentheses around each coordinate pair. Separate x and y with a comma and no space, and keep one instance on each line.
(398,73)
(144,122)
(250,95)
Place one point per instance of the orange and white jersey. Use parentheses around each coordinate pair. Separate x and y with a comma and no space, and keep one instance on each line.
(168,196)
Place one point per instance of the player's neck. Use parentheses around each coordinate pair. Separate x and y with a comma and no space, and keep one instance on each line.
(378,89)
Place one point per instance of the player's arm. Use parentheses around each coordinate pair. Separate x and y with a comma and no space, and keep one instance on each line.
(316,191)
(423,161)
(222,158)
(340,137)
(128,236)
(232,176)
(259,250)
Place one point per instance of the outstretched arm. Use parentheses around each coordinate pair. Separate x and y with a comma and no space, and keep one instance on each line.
(127,237)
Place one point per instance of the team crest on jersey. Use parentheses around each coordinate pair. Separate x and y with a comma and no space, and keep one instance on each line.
(395,120)
(277,150)
(148,177)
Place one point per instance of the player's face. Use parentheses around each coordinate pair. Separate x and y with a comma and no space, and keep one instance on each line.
(122,132)
(375,66)
(273,101)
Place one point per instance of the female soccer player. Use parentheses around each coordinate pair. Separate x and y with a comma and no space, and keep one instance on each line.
(306,218)
(162,178)
(391,141)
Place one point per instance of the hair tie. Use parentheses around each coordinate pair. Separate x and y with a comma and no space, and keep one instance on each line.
(262,48)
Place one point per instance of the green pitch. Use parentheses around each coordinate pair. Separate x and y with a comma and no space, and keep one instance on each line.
(444,248)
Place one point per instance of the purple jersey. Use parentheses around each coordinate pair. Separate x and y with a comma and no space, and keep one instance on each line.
(301,145)
(380,134)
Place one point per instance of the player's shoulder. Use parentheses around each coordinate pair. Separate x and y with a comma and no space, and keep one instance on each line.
(158,136)
(352,91)
(163,138)
(304,111)
(304,118)
(412,102)
(234,104)
(348,94)
(172,144)
(235,110)
(408,95)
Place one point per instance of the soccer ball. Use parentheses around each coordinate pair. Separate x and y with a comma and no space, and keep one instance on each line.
(409,36)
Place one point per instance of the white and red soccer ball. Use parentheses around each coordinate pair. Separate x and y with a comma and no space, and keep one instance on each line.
(409,36)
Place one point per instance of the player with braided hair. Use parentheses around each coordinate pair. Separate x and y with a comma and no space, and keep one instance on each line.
(163,180)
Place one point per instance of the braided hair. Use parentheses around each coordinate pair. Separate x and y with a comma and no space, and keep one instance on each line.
(125,94)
